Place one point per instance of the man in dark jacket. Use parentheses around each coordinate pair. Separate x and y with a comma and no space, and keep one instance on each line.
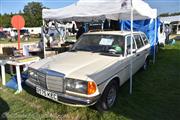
(80,32)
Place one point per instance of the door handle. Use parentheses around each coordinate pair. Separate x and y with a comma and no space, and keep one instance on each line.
(146,50)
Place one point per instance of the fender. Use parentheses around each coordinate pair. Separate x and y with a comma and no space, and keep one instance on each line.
(104,84)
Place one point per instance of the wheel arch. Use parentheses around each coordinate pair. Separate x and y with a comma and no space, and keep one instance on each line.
(115,79)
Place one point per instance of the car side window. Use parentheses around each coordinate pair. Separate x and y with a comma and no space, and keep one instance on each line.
(139,41)
(129,44)
(144,38)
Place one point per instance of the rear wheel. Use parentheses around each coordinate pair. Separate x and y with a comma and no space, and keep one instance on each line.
(108,97)
(157,48)
(146,64)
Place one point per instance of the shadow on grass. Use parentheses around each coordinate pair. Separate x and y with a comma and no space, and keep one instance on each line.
(59,109)
(4,108)
(33,92)
(156,92)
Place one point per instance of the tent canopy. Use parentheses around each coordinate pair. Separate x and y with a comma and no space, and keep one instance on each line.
(170,19)
(95,10)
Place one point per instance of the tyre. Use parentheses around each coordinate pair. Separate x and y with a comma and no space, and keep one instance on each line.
(157,48)
(108,97)
(146,64)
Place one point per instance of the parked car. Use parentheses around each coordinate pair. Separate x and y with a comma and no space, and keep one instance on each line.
(24,34)
(2,35)
(92,71)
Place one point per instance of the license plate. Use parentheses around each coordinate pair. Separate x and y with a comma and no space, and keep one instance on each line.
(47,94)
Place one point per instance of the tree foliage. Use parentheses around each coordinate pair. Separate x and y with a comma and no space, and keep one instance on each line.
(5,20)
(32,14)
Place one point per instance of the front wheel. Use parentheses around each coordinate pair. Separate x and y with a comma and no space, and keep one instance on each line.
(108,97)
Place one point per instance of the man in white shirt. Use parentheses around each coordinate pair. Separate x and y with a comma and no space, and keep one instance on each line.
(12,34)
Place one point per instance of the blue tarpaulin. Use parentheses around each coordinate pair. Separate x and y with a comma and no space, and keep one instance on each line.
(147,26)
(12,83)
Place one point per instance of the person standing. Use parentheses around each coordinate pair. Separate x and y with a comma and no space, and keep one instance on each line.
(13,35)
(167,32)
(73,29)
(80,32)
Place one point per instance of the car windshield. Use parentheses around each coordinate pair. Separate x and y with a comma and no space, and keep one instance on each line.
(100,43)
(23,32)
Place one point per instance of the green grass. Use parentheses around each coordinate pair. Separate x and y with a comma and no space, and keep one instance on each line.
(5,41)
(73,37)
(156,96)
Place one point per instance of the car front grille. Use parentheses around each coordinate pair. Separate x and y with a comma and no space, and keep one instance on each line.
(55,83)
(42,79)
(49,80)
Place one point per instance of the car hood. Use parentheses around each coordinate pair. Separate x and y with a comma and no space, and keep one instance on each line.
(76,64)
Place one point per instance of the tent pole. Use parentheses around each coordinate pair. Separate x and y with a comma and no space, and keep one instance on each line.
(102,25)
(122,26)
(43,37)
(130,87)
(155,35)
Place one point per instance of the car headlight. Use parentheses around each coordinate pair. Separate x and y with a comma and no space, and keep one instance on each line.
(79,86)
(32,73)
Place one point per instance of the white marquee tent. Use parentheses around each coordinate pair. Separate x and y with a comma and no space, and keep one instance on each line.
(89,10)
(95,10)
(170,19)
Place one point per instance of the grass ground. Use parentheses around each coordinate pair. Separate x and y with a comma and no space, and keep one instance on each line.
(156,96)
(5,41)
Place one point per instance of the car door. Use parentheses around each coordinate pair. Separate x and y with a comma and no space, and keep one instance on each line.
(146,47)
(139,57)
(128,55)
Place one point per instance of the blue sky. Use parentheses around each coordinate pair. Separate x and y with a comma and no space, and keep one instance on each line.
(8,6)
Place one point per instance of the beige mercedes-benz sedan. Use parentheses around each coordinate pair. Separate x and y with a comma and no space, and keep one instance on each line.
(92,71)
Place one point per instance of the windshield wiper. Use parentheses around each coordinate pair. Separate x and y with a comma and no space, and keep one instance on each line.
(99,51)
(110,54)
(73,50)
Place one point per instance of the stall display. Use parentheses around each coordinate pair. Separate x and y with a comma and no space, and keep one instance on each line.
(17,62)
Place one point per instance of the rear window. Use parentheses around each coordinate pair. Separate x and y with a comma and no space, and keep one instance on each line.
(23,31)
(129,43)
(139,41)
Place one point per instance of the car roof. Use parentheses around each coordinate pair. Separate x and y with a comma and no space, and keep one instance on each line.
(123,33)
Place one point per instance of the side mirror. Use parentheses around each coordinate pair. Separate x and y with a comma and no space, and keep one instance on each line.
(113,51)
(133,50)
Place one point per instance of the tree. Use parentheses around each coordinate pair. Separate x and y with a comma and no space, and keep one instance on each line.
(5,20)
(33,14)
(0,20)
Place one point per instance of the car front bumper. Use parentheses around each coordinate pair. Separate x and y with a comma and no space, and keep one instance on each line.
(68,99)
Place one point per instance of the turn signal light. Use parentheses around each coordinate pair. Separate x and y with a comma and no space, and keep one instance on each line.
(91,87)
